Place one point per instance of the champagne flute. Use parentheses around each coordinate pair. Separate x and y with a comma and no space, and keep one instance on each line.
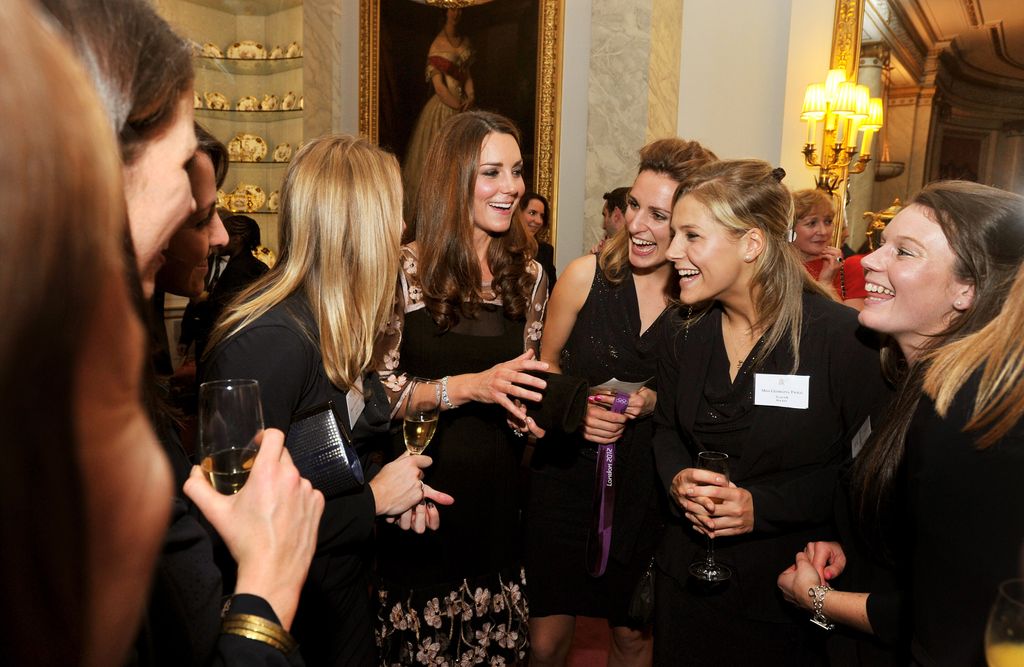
(708,570)
(230,431)
(421,414)
(1004,634)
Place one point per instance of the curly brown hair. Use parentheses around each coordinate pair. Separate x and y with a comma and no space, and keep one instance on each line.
(449,272)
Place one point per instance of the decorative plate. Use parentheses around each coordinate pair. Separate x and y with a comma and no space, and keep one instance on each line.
(197,102)
(223,199)
(248,103)
(238,201)
(274,201)
(247,49)
(248,198)
(302,102)
(211,50)
(283,153)
(217,100)
(293,50)
(270,103)
(247,148)
(276,52)
(289,101)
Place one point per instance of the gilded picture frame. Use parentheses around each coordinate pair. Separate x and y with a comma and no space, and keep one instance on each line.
(404,29)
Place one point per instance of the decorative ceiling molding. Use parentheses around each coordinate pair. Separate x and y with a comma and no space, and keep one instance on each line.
(882,23)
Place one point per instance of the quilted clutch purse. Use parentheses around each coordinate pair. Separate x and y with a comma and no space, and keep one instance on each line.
(321,447)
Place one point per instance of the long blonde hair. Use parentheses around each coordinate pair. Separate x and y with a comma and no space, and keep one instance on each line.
(341,219)
(748,194)
(998,348)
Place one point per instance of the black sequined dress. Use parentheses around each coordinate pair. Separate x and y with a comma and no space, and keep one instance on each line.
(606,342)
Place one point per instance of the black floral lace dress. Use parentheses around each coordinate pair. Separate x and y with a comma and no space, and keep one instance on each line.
(457,596)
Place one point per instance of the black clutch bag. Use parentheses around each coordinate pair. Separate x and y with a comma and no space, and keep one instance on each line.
(564,403)
(321,447)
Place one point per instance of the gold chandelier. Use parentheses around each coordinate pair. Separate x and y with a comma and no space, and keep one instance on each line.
(846,109)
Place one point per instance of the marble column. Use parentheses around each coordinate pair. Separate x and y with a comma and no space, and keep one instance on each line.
(632,93)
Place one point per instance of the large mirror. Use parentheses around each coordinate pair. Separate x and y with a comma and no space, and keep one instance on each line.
(951,73)
(500,55)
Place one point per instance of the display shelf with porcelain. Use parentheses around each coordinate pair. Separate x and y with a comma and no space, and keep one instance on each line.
(235,115)
(248,89)
(248,66)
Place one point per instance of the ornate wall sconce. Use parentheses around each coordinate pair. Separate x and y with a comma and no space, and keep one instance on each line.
(845,109)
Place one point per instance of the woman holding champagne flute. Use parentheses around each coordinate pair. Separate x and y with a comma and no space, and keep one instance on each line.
(766,369)
(469,312)
(306,331)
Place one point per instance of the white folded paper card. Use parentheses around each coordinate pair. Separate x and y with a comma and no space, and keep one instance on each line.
(615,386)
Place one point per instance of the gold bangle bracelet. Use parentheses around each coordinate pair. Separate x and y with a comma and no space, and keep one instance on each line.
(258,629)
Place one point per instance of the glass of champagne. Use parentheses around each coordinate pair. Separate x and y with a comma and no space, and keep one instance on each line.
(421,411)
(1004,634)
(708,570)
(230,431)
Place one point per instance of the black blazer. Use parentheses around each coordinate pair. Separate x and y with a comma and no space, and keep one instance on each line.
(790,458)
(546,258)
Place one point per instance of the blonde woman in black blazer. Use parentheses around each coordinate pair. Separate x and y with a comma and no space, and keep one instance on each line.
(733,383)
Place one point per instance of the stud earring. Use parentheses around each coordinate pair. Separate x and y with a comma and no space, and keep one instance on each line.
(747,258)
(957,304)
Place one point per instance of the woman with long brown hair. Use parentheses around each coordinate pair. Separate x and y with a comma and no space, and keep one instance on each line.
(621,301)
(471,301)
(936,287)
(145,86)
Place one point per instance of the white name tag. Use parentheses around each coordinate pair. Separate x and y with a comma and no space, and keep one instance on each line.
(862,436)
(782,391)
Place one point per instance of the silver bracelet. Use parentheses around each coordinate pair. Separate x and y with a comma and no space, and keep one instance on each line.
(817,594)
(444,394)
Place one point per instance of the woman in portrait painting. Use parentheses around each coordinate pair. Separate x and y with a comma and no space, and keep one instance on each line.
(448,73)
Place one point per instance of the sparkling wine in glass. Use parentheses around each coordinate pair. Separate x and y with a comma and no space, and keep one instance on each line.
(707,569)
(230,431)
(421,412)
(1004,634)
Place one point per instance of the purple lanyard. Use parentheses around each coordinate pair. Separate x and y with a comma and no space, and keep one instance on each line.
(599,541)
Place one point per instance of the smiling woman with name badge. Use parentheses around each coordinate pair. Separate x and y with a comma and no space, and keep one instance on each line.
(731,382)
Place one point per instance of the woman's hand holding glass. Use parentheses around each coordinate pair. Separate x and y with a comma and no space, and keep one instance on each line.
(715,506)
(398,490)
(269,525)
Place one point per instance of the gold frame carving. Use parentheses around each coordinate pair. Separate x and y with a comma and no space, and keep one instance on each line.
(548,103)
(846,33)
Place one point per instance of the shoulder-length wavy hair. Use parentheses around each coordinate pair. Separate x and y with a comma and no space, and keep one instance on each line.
(672,157)
(748,194)
(443,227)
(341,219)
(984,227)
(140,67)
(56,263)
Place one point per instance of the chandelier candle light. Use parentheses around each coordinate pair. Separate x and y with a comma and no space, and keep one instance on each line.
(846,108)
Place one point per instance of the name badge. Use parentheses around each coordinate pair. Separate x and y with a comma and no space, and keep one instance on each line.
(862,436)
(782,391)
